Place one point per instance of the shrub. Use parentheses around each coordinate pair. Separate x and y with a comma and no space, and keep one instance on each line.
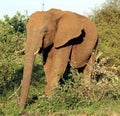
(11,41)
(107,20)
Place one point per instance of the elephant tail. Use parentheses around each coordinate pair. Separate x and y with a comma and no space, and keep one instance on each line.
(95,50)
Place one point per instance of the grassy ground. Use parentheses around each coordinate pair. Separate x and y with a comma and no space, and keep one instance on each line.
(70,99)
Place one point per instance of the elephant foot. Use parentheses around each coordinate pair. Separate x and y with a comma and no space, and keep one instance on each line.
(21,104)
(49,90)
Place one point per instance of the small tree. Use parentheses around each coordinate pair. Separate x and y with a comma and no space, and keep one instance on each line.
(107,20)
(12,37)
(17,22)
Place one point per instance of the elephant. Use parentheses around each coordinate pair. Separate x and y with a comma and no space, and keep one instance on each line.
(61,37)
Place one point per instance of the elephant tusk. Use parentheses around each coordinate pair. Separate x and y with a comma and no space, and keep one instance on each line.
(36,51)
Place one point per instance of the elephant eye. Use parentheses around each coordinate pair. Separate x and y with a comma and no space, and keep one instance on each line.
(45,30)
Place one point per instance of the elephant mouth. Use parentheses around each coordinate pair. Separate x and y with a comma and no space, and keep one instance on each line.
(39,50)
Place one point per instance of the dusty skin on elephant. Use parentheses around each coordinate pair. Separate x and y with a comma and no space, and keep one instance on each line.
(61,37)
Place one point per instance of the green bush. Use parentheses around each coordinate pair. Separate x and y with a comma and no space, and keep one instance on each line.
(107,20)
(11,41)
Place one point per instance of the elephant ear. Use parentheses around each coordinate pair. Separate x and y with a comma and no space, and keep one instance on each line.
(56,13)
(70,26)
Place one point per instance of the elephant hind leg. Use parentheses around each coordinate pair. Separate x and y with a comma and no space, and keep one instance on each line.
(89,66)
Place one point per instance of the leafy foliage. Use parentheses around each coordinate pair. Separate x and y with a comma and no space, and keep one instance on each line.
(11,41)
(107,20)
(17,22)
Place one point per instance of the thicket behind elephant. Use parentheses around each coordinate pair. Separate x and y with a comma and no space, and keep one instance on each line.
(62,37)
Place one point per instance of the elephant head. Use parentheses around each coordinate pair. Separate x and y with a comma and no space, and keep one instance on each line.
(46,28)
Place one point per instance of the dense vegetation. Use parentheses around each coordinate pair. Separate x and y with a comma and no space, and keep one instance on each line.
(71,98)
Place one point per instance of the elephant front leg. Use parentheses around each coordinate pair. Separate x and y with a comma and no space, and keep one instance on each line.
(55,67)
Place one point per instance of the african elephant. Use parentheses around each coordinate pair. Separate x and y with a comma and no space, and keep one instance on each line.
(62,37)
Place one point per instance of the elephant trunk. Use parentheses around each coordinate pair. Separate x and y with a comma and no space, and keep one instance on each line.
(30,52)
(25,83)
